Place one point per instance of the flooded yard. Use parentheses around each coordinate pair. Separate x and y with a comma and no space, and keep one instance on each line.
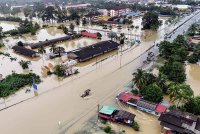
(7,25)
(193,77)
(63,102)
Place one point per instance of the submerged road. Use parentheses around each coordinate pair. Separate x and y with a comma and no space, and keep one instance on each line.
(41,114)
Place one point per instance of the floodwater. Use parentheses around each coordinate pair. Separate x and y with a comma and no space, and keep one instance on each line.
(193,77)
(61,101)
(7,25)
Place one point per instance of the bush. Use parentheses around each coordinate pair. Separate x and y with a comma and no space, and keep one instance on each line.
(193,58)
(136,126)
(107,129)
(135,91)
(1,45)
(12,83)
(59,71)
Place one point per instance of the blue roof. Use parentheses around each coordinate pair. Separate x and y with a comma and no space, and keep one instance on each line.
(107,110)
(132,13)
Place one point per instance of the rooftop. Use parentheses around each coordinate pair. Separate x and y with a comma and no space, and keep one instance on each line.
(126,96)
(107,110)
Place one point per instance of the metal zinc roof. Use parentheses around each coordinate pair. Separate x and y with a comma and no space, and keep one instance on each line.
(107,110)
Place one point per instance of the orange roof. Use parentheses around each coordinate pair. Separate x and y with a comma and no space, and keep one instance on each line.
(126,96)
(160,108)
(87,34)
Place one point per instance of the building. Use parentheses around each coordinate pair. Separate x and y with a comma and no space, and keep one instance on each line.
(115,115)
(92,51)
(116,11)
(176,121)
(77,6)
(24,51)
(141,104)
(182,7)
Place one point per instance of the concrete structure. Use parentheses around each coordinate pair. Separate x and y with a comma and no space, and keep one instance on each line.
(78,6)
(117,11)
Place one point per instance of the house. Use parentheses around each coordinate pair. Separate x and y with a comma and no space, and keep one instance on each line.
(53,41)
(115,115)
(24,51)
(88,34)
(180,122)
(128,98)
(141,104)
(77,6)
(92,51)
(115,11)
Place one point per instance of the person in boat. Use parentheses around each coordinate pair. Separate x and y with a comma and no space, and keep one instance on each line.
(86,93)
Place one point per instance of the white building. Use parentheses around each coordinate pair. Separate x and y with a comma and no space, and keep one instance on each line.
(117,11)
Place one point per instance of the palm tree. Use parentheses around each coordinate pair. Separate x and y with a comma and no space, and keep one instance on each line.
(42,50)
(180,92)
(161,80)
(122,38)
(77,23)
(53,47)
(139,79)
(71,27)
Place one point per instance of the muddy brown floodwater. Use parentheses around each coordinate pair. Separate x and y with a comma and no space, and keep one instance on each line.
(61,101)
(7,25)
(193,77)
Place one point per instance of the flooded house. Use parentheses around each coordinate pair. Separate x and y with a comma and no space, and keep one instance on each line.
(176,121)
(115,115)
(24,51)
(54,41)
(92,51)
(141,104)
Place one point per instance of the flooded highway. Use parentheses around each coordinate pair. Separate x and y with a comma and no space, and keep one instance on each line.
(63,103)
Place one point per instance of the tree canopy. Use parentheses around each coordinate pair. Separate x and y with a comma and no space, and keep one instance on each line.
(150,21)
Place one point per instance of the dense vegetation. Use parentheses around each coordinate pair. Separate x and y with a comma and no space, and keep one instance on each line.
(24,27)
(15,19)
(160,10)
(171,77)
(150,21)
(12,83)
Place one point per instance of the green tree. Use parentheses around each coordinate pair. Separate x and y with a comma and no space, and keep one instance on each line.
(27,11)
(153,93)
(42,51)
(122,38)
(139,78)
(71,27)
(84,21)
(59,70)
(15,11)
(180,92)
(65,30)
(24,64)
(53,48)
(161,81)
(193,105)
(77,23)
(175,71)
(150,21)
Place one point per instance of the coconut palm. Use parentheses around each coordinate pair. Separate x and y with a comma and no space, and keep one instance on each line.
(139,78)
(53,47)
(42,51)
(77,23)
(180,92)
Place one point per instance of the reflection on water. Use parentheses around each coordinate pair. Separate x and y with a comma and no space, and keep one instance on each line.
(8,25)
(193,77)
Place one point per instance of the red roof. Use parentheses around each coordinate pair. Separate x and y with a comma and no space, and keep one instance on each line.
(87,34)
(160,108)
(125,96)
